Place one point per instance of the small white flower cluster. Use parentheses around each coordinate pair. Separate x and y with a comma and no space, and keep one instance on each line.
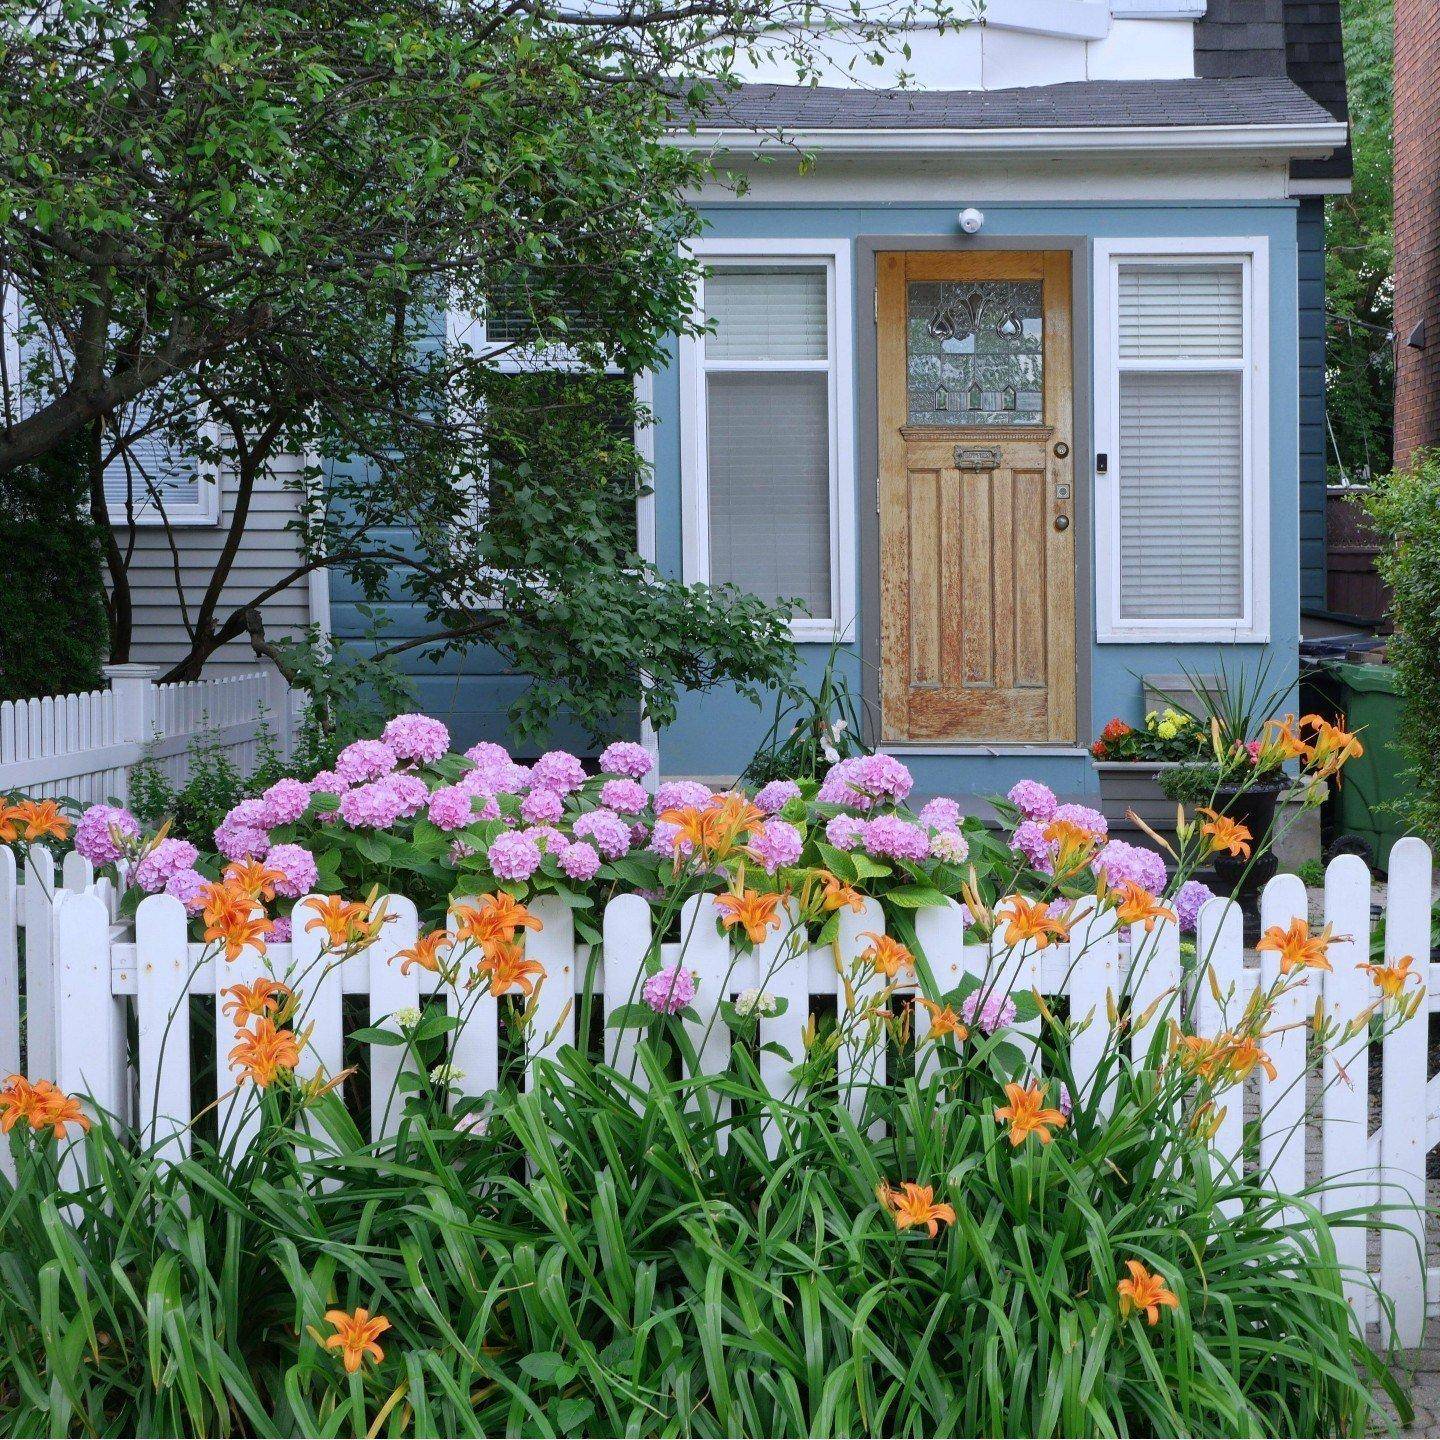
(755,1002)
(407,1017)
(447,1074)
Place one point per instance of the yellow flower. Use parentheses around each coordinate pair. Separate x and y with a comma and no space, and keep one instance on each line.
(1297,948)
(754,912)
(1143,1293)
(915,1205)
(355,1336)
(1028,1114)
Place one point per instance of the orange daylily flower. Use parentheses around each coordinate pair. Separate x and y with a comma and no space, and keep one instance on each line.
(1297,948)
(221,902)
(1228,1059)
(425,952)
(17,1102)
(943,1020)
(886,954)
(38,819)
(253,879)
(348,924)
(838,894)
(1032,920)
(756,913)
(1226,834)
(40,1104)
(714,829)
(1028,1114)
(9,822)
(263,1053)
(263,996)
(915,1204)
(1143,1293)
(1280,741)
(491,920)
(237,932)
(505,966)
(1332,746)
(1075,845)
(1135,905)
(355,1337)
(1392,978)
(1245,1056)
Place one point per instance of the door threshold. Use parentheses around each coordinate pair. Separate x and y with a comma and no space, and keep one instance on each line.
(979,749)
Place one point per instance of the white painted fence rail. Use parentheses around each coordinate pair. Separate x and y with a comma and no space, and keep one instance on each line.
(85,746)
(89,971)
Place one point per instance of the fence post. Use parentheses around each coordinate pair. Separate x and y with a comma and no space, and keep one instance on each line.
(133,686)
(277,709)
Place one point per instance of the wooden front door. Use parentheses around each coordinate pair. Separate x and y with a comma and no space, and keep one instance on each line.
(977,515)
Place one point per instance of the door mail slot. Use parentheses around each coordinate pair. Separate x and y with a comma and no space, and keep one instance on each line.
(977,457)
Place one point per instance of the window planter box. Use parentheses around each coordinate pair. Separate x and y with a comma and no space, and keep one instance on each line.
(1134,785)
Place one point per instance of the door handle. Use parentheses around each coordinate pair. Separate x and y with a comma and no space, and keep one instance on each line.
(1062,522)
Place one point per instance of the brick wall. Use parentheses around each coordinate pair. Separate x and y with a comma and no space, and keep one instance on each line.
(1417,222)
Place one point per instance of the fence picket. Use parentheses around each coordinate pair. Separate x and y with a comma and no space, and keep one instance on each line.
(162,1008)
(553,945)
(627,941)
(861,1059)
(9,971)
(1094,974)
(475,1045)
(708,954)
(1346,1105)
(39,919)
(390,990)
(322,991)
(1220,958)
(1282,1099)
(782,965)
(940,933)
(1403,1139)
(1153,983)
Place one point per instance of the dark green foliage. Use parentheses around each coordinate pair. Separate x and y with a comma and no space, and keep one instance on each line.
(1405,510)
(52,617)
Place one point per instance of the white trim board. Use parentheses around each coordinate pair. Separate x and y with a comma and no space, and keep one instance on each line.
(694,487)
(1253,254)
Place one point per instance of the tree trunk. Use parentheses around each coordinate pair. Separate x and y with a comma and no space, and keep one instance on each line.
(119,613)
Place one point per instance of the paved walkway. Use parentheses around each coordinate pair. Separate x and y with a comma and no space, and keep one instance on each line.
(1420,1370)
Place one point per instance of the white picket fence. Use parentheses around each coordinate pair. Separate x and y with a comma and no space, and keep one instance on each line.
(86,971)
(85,746)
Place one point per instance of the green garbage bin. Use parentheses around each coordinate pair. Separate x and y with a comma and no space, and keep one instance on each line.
(1369,697)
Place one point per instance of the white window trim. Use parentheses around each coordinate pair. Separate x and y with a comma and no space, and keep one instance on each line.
(1253,252)
(840,366)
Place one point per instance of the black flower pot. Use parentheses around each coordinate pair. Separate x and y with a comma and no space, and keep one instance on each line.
(1253,807)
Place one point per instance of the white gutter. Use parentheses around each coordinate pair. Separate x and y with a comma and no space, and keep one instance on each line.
(1308,140)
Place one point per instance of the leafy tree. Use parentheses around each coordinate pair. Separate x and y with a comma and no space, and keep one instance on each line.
(52,622)
(1360,256)
(239,223)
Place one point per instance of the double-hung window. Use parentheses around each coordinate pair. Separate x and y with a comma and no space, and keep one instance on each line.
(766,429)
(1182,402)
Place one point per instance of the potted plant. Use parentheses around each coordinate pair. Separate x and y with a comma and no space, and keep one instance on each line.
(1130,761)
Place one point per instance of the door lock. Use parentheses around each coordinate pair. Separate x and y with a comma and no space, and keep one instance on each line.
(1061,449)
(1062,522)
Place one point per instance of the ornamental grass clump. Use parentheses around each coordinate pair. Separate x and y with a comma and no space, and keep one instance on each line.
(633,1241)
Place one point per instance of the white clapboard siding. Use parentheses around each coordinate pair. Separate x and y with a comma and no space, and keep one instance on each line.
(98,970)
(84,747)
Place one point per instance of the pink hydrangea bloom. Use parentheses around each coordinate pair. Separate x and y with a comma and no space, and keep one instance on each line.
(487,752)
(1085,818)
(1033,800)
(103,833)
(375,806)
(496,777)
(609,832)
(669,991)
(461,850)
(411,793)
(364,760)
(164,859)
(1066,1104)
(188,887)
(1029,840)
(285,802)
(845,832)
(281,930)
(639,833)
(327,782)
(1118,862)
(775,796)
(416,737)
(994,1014)
(865,780)
(949,845)
(681,794)
(580,861)
(778,843)
(663,838)
(253,813)
(550,840)
(896,839)
(450,807)
(1189,899)
(241,842)
(298,867)
(626,758)
(624,797)
(941,813)
(541,806)
(514,856)
(557,770)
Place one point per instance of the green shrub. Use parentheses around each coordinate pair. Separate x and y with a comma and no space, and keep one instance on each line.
(52,623)
(1405,509)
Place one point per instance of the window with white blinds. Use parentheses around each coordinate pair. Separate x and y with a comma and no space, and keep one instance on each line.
(763,441)
(1182,543)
